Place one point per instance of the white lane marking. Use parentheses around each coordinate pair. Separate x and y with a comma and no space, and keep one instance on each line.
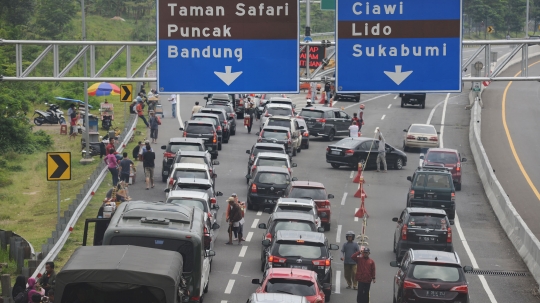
(334,103)
(382,118)
(435,107)
(236,268)
(338,234)
(390,105)
(343,199)
(178,116)
(352,174)
(338,282)
(255,223)
(442,120)
(259,213)
(243,251)
(249,235)
(229,287)
(356,210)
(396,97)
(354,104)
(223,301)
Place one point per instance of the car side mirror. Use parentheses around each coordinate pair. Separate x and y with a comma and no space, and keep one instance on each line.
(327,286)
(181,128)
(330,196)
(405,130)
(451,222)
(394,264)
(333,247)
(395,219)
(422,156)
(467,268)
(265,242)
(463,159)
(210,253)
(301,127)
(248,152)
(256,281)
(438,133)
(262,225)
(215,226)
(257,133)
(163,146)
(320,229)
(215,162)
(294,165)
(219,194)
(409,178)
(248,176)
(167,190)
(294,179)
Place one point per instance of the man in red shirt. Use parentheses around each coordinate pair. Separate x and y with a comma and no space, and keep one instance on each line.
(365,273)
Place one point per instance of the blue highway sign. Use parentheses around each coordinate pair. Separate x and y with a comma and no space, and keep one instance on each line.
(216,46)
(398,46)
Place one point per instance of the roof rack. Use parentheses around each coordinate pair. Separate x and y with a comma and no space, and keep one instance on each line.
(433,168)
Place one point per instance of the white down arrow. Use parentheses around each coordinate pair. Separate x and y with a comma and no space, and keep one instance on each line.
(398,76)
(228,77)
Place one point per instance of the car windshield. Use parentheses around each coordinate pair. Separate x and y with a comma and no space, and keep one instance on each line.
(308,192)
(347,143)
(438,181)
(197,174)
(304,251)
(301,122)
(442,157)
(294,225)
(273,178)
(194,128)
(279,111)
(189,202)
(218,113)
(175,147)
(197,160)
(274,134)
(423,129)
(272,162)
(289,286)
(205,119)
(427,221)
(436,273)
(292,208)
(279,122)
(311,113)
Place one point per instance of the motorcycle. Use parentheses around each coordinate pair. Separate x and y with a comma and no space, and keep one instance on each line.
(106,123)
(52,116)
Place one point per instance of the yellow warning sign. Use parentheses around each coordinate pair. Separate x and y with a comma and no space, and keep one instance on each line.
(126,92)
(58,166)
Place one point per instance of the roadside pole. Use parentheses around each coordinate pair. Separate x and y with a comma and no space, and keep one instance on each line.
(58,201)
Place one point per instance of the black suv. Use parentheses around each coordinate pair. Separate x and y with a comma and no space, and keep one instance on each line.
(286,221)
(278,135)
(228,124)
(204,130)
(176,144)
(305,250)
(266,185)
(263,147)
(432,186)
(217,125)
(326,121)
(430,276)
(229,112)
(415,99)
(422,228)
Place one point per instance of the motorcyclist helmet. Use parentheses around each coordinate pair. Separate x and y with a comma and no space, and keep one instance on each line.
(308,101)
(350,233)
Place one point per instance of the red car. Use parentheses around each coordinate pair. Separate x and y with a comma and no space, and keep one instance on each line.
(317,192)
(450,158)
(300,282)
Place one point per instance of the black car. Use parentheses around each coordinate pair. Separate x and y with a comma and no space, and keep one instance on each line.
(277,135)
(422,228)
(326,121)
(263,147)
(305,250)
(266,185)
(226,122)
(229,111)
(432,187)
(426,276)
(176,144)
(217,125)
(196,157)
(204,130)
(286,221)
(351,151)
(304,133)
(414,98)
(340,96)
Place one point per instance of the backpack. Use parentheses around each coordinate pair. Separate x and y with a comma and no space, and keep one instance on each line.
(22,297)
(132,108)
(158,120)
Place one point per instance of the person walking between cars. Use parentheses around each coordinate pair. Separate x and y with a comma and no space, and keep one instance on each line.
(382,151)
(154,122)
(140,112)
(125,169)
(349,264)
(361,116)
(112,164)
(240,231)
(353,130)
(173,103)
(365,274)
(328,91)
(250,114)
(196,108)
(235,216)
(149,158)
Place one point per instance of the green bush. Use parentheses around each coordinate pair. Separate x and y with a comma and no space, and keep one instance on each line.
(4,179)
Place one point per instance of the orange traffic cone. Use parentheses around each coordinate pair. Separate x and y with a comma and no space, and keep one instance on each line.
(309,93)
(361,211)
(323,98)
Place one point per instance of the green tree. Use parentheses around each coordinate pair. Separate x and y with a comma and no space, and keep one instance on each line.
(53,17)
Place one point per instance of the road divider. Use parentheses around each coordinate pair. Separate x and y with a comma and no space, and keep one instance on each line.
(236,268)
(338,233)
(242,252)
(248,237)
(344,197)
(229,287)
(255,223)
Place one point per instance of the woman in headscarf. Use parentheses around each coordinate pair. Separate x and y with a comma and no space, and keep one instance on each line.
(19,286)
(34,289)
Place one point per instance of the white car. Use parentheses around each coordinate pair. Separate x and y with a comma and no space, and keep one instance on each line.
(292,124)
(271,159)
(190,170)
(300,205)
(420,136)
(276,109)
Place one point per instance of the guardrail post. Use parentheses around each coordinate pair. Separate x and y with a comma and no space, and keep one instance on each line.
(20,258)
(3,240)
(5,281)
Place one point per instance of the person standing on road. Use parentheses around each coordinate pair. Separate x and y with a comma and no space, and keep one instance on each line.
(154,122)
(235,215)
(148,163)
(125,169)
(353,130)
(140,112)
(112,164)
(173,103)
(242,208)
(328,91)
(349,264)
(361,116)
(196,108)
(365,274)
(382,151)
(250,112)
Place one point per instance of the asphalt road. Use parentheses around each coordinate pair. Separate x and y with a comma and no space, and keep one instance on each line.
(478,238)
(521,112)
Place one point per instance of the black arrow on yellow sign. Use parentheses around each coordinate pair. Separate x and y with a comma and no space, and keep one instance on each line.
(126,92)
(58,166)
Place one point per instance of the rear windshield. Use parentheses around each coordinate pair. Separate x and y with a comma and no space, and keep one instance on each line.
(197,174)
(308,193)
(427,221)
(207,119)
(273,178)
(279,122)
(436,180)
(442,157)
(218,113)
(296,209)
(434,273)
(277,111)
(193,186)
(197,160)
(175,147)
(274,134)
(311,113)
(423,129)
(227,108)
(346,143)
(185,248)
(289,286)
(272,162)
(199,129)
(189,202)
(268,149)
(300,250)
(112,291)
(294,225)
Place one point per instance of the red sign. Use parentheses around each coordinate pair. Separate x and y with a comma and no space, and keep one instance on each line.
(316,56)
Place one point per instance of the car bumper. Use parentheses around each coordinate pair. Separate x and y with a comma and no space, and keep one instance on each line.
(349,161)
(211,148)
(263,200)
(317,131)
(421,144)
(405,245)
(448,206)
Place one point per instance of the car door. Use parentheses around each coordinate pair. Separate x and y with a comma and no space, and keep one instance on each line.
(399,226)
(374,152)
(339,123)
(400,276)
(295,133)
(205,272)
(391,155)
(347,121)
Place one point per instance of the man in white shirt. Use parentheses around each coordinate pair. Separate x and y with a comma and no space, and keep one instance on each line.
(353,130)
(382,151)
(173,102)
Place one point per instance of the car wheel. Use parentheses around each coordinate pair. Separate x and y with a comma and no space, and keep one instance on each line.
(398,250)
(327,296)
(240,116)
(233,132)
(219,146)
(327,227)
(331,135)
(394,245)
(205,290)
(163,178)
(299,149)
(402,103)
(405,148)
(399,164)
(226,140)
(423,105)
(335,165)
(307,145)
(458,186)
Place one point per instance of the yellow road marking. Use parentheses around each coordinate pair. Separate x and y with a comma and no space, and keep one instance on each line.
(511,143)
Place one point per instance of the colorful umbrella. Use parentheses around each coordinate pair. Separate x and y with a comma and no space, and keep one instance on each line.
(103,89)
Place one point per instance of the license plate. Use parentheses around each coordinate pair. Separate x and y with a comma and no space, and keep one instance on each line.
(435,293)
(422,139)
(299,266)
(426,239)
(431,196)
(335,152)
(269,201)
